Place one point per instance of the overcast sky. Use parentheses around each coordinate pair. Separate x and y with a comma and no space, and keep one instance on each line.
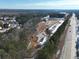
(39,4)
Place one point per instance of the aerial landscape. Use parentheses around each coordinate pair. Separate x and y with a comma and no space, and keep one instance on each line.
(39,29)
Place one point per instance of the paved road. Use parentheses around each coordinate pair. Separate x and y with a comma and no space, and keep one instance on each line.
(69,51)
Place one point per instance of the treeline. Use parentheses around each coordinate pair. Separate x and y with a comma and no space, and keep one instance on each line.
(22,18)
(57,15)
(13,44)
(50,47)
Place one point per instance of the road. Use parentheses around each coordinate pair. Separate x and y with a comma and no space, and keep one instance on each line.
(69,50)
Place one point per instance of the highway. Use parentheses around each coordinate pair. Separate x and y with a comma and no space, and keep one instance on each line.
(69,50)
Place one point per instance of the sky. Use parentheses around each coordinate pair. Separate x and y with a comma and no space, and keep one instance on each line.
(39,4)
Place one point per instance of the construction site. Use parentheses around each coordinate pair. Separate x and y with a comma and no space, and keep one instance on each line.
(44,30)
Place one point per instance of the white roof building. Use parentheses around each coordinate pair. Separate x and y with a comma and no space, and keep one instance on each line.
(41,38)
